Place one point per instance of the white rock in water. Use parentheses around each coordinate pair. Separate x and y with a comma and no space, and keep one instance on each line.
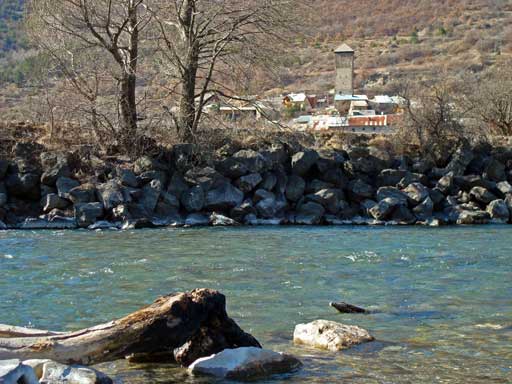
(245,363)
(56,373)
(14,372)
(330,335)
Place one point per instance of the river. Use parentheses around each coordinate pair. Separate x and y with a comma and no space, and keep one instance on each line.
(442,297)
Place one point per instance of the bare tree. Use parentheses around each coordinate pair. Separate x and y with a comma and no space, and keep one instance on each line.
(79,34)
(208,46)
(490,100)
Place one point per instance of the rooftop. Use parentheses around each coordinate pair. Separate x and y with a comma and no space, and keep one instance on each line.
(344,48)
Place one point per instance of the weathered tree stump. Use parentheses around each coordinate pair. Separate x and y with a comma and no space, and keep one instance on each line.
(184,326)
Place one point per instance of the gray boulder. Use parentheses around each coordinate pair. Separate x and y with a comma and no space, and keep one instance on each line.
(424,210)
(402,215)
(267,208)
(459,161)
(193,200)
(218,220)
(3,226)
(208,178)
(23,185)
(150,195)
(246,363)
(85,193)
(498,210)
(4,166)
(223,198)
(249,182)
(127,177)
(3,194)
(53,201)
(15,372)
(328,198)
(254,161)
(482,195)
(177,185)
(88,213)
(56,223)
(110,194)
(197,220)
(392,192)
(295,188)
(385,208)
(59,169)
(65,185)
(495,170)
(390,177)
(232,168)
(416,192)
(241,211)
(309,213)
(359,190)
(446,184)
(303,161)
(269,181)
(473,217)
(504,187)
(324,334)
(316,185)
(56,373)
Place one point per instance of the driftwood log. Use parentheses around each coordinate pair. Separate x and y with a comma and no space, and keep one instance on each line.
(347,308)
(183,326)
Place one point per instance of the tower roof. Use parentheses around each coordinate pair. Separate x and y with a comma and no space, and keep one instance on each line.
(344,48)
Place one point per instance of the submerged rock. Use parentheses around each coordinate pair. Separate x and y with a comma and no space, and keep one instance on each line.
(55,373)
(245,363)
(330,335)
(15,372)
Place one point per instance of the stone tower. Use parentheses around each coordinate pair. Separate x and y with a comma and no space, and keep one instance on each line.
(344,70)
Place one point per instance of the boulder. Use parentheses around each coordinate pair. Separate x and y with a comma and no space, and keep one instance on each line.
(275,156)
(4,166)
(3,226)
(15,372)
(303,161)
(53,201)
(150,195)
(127,177)
(328,198)
(359,190)
(103,225)
(393,193)
(316,185)
(231,168)
(3,194)
(384,208)
(254,161)
(498,210)
(416,192)
(495,170)
(193,199)
(177,185)
(59,169)
(88,213)
(269,181)
(110,194)
(223,198)
(183,155)
(246,363)
(482,195)
(147,177)
(459,161)
(56,373)
(262,194)
(218,220)
(504,187)
(295,188)
(56,223)
(197,220)
(144,164)
(411,178)
(249,182)
(473,217)
(208,178)
(402,215)
(267,208)
(446,184)
(245,208)
(424,210)
(390,177)
(324,334)
(85,193)
(65,185)
(309,213)
(23,185)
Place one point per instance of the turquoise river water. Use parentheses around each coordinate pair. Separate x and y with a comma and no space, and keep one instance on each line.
(442,297)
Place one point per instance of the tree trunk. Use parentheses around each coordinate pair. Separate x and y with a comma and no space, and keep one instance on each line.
(128,109)
(185,326)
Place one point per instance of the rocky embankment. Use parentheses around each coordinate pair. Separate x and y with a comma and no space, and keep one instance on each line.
(275,185)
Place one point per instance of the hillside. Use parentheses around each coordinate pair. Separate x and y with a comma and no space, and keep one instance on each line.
(11,13)
(401,39)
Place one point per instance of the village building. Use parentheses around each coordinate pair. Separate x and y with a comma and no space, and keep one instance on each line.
(344,56)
